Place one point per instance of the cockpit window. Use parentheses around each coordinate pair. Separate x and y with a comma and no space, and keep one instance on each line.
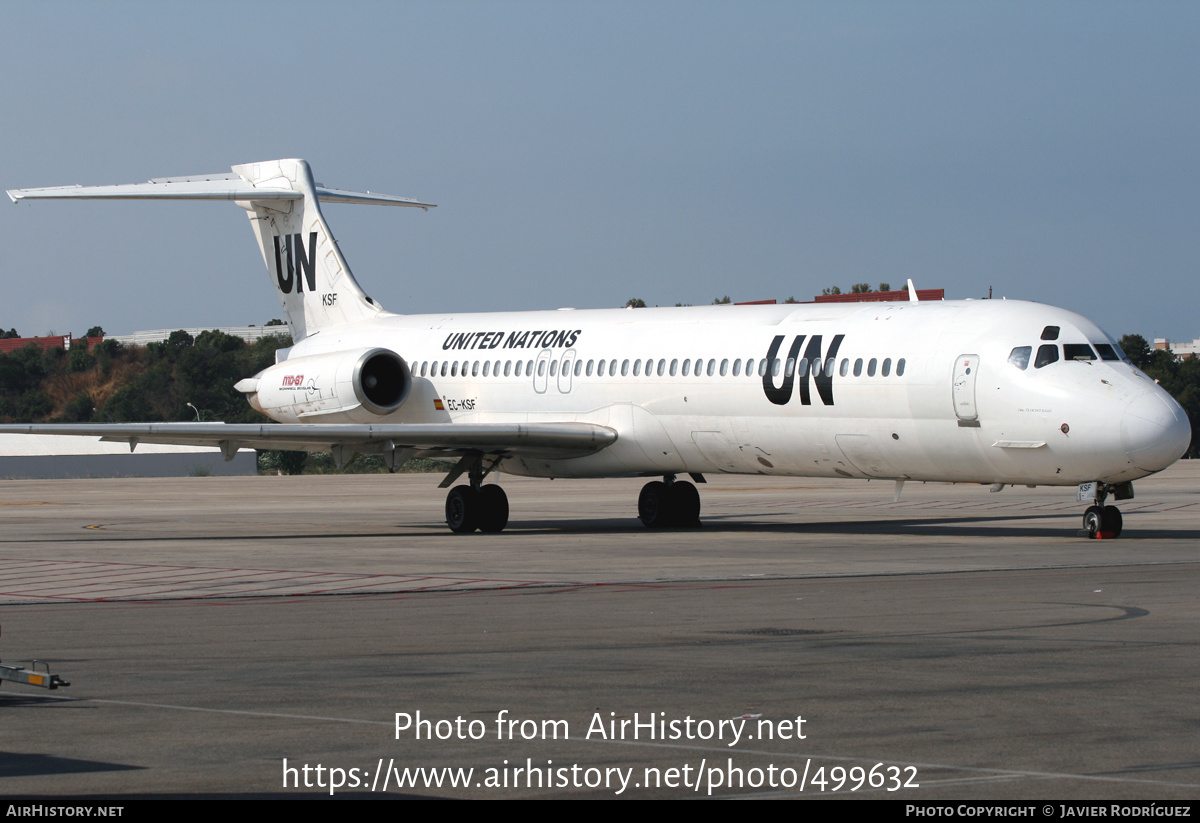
(1107,352)
(1019,357)
(1045,356)
(1078,351)
(1050,333)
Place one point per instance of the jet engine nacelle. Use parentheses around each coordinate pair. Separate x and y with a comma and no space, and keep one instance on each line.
(348,386)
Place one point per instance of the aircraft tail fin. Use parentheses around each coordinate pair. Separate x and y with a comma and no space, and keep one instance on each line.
(307,270)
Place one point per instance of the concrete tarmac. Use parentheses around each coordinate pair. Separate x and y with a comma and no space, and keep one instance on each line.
(954,645)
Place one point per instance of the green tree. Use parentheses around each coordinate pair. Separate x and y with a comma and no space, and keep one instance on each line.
(831,290)
(885,286)
(722,301)
(94,331)
(1136,349)
(635,303)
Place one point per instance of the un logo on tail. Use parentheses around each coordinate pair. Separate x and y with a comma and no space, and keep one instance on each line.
(302,270)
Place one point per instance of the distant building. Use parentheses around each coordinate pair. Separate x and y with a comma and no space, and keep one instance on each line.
(45,456)
(1180,350)
(57,341)
(898,296)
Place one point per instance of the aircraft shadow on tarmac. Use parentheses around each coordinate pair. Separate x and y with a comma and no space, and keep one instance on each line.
(997,526)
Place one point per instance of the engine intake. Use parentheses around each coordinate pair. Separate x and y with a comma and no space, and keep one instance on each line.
(381,381)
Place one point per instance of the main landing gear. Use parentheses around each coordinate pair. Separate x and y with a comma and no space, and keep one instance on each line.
(475,506)
(669,502)
(1101,522)
(469,508)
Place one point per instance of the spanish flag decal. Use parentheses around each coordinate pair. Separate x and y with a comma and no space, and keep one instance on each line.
(438,404)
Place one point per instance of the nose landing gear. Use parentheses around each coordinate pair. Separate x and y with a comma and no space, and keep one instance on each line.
(1101,522)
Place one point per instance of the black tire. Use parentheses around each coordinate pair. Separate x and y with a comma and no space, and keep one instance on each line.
(493,509)
(685,503)
(1094,521)
(1112,521)
(462,509)
(654,505)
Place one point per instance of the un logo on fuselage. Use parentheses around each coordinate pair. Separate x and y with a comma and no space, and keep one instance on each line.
(814,362)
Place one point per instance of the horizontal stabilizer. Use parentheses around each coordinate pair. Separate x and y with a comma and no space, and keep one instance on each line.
(209,187)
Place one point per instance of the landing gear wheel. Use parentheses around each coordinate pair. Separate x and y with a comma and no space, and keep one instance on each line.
(654,505)
(493,510)
(1102,522)
(462,509)
(685,503)
(1112,520)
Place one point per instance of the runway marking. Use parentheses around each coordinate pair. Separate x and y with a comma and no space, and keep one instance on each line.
(978,773)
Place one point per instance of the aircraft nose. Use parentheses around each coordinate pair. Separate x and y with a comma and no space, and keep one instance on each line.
(1154,431)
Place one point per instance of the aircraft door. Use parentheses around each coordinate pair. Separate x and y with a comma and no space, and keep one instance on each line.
(541,371)
(564,371)
(966,371)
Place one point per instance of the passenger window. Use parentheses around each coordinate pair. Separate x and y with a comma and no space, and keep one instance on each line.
(496,369)
(871,368)
(541,368)
(803,371)
(900,367)
(845,369)
(674,367)
(600,369)
(725,367)
(1106,352)
(1019,357)
(508,368)
(554,368)
(750,368)
(1050,333)
(737,367)
(486,367)
(589,368)
(474,368)
(637,367)
(579,367)
(454,369)
(1078,351)
(858,367)
(529,367)
(518,371)
(712,367)
(829,364)
(887,367)
(662,367)
(1045,356)
(624,367)
(775,364)
(687,367)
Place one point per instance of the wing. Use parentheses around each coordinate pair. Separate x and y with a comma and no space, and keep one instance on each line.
(552,440)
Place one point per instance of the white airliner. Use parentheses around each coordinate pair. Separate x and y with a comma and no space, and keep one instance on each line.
(995,392)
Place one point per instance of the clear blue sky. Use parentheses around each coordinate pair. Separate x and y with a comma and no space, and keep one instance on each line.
(583,153)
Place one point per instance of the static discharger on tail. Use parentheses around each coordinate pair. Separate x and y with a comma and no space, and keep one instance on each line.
(997,392)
